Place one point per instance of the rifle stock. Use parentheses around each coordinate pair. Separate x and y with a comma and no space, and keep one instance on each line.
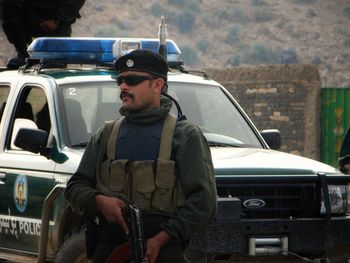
(121,254)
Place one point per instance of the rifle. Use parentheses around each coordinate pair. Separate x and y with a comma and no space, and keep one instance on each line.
(134,249)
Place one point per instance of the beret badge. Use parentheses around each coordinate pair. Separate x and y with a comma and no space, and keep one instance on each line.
(129,63)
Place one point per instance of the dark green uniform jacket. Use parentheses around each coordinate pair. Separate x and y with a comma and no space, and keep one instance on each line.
(22,19)
(195,171)
(66,10)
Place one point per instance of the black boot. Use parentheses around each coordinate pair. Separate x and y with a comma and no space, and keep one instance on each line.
(17,61)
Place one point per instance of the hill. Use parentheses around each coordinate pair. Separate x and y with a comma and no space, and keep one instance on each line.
(229,33)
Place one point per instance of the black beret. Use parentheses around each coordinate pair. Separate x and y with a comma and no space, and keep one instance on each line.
(143,60)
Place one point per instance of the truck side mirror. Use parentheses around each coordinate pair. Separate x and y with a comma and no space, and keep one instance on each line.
(32,140)
(272,137)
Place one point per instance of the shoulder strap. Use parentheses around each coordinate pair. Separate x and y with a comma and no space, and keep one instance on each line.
(111,143)
(166,139)
(107,129)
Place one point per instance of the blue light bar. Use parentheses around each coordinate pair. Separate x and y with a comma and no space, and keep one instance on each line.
(94,50)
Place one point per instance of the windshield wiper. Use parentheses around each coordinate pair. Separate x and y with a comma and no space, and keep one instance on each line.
(224,144)
(80,145)
(220,140)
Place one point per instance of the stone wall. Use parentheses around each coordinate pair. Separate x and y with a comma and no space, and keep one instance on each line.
(283,97)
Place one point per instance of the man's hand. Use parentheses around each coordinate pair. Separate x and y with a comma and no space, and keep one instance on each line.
(110,207)
(48,26)
(154,244)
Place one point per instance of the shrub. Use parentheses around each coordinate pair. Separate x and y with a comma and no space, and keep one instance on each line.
(225,14)
(305,2)
(311,13)
(347,42)
(262,15)
(234,61)
(281,24)
(346,11)
(238,14)
(264,31)
(98,7)
(211,21)
(121,24)
(257,2)
(193,5)
(109,30)
(189,55)
(157,10)
(203,45)
(232,13)
(185,21)
(258,54)
(233,35)
(316,60)
(178,3)
(288,56)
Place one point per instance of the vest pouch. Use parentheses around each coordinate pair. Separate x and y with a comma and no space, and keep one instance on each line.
(117,176)
(165,181)
(143,183)
(104,173)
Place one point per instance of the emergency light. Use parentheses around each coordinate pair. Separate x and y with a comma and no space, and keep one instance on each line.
(96,50)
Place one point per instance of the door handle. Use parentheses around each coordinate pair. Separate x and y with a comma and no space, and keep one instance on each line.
(2,177)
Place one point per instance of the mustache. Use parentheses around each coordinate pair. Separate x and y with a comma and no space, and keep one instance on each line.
(125,93)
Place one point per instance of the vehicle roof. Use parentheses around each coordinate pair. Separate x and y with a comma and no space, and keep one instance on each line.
(76,75)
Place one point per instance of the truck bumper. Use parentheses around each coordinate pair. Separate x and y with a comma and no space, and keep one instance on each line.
(228,234)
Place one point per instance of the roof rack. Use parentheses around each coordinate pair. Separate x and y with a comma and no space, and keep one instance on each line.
(39,64)
(182,69)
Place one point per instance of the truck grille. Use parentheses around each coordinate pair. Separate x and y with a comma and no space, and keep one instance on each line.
(281,201)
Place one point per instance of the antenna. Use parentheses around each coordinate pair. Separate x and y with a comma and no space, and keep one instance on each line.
(162,34)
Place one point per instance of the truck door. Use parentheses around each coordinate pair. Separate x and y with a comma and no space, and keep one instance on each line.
(25,178)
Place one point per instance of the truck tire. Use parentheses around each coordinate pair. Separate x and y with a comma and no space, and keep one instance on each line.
(73,249)
(339,255)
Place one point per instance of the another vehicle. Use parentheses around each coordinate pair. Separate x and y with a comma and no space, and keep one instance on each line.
(269,202)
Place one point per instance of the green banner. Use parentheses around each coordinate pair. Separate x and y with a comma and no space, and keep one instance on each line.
(335,104)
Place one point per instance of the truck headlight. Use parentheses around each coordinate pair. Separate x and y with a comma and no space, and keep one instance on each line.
(339,199)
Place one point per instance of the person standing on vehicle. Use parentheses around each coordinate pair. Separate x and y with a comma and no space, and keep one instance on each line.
(25,19)
(151,157)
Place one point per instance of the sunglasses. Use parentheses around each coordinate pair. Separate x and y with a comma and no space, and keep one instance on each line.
(133,80)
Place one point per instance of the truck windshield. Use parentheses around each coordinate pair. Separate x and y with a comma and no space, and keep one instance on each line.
(87,105)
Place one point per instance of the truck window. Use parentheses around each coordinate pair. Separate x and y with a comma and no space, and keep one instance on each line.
(86,106)
(218,117)
(4,93)
(32,106)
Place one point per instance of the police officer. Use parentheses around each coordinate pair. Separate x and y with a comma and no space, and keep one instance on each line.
(24,19)
(154,159)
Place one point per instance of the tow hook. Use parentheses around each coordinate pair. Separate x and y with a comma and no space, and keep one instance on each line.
(268,246)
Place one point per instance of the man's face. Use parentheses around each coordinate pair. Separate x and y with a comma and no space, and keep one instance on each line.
(142,96)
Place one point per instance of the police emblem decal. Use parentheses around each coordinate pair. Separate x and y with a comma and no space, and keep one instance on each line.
(129,63)
(20,192)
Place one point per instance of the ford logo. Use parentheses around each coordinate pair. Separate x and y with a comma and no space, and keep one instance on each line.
(254,203)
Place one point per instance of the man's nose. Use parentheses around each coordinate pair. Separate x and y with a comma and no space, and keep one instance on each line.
(124,86)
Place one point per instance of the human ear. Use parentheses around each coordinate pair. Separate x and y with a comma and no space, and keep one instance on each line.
(158,85)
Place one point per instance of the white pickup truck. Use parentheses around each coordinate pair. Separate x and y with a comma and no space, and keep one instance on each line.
(271,204)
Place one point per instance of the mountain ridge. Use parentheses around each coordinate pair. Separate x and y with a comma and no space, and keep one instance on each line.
(230,33)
